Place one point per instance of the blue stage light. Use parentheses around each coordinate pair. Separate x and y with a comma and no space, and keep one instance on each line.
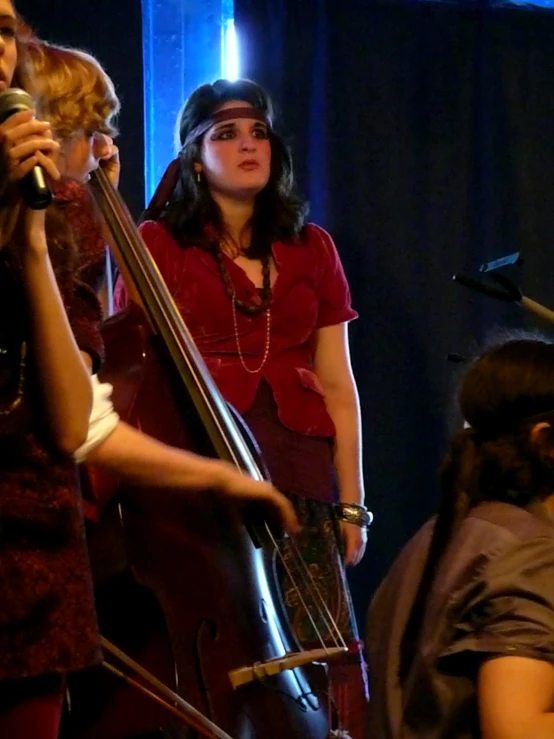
(185,44)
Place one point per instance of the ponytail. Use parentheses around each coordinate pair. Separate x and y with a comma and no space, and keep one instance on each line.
(456,478)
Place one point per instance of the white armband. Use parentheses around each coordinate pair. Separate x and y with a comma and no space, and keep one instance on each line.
(103,419)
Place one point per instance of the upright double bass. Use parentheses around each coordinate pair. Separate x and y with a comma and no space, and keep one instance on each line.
(190,590)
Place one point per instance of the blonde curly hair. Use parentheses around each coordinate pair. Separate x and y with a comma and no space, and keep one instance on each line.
(70,88)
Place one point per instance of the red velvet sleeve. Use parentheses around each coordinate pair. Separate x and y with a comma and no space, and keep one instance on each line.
(84,311)
(335,303)
(84,217)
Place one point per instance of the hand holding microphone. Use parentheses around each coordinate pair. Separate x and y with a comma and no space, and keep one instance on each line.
(108,152)
(29,147)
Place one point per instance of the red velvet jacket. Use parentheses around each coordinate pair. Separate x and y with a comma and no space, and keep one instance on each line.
(310,292)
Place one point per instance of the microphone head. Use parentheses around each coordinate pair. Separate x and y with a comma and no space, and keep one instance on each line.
(34,187)
(13,100)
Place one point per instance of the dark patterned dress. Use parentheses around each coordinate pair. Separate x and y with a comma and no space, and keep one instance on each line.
(47,618)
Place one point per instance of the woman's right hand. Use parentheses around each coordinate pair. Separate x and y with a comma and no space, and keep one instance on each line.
(108,153)
(240,487)
(27,142)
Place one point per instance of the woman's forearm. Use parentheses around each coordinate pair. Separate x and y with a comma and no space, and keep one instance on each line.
(344,409)
(135,456)
(63,376)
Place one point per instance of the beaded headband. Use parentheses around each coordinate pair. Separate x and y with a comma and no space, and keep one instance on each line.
(227,114)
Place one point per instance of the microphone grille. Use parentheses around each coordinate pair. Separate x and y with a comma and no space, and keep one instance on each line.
(13,100)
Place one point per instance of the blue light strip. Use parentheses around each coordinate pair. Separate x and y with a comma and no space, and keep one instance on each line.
(229,43)
(185,44)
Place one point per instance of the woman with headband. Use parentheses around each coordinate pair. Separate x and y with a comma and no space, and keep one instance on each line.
(266,300)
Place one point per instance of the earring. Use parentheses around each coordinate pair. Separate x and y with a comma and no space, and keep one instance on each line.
(199,177)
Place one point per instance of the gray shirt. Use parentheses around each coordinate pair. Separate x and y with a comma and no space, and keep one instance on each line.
(493,595)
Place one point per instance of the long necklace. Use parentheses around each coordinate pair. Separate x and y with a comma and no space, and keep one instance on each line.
(250,309)
(267,339)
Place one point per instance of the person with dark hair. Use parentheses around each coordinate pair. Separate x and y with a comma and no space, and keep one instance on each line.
(265,297)
(461,631)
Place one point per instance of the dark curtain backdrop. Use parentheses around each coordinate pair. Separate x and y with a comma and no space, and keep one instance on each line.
(111,30)
(423,138)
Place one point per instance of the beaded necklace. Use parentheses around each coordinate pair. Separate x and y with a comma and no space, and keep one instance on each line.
(249,309)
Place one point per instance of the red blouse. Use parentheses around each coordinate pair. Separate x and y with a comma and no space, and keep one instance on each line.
(310,292)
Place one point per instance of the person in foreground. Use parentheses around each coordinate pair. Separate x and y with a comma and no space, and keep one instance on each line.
(460,633)
(47,619)
(265,297)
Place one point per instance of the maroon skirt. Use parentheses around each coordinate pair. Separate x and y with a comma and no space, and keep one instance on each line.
(298,464)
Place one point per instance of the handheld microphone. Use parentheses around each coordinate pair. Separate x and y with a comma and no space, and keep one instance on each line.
(34,188)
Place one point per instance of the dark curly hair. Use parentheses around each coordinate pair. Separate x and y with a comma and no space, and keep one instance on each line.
(503,394)
(279,213)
